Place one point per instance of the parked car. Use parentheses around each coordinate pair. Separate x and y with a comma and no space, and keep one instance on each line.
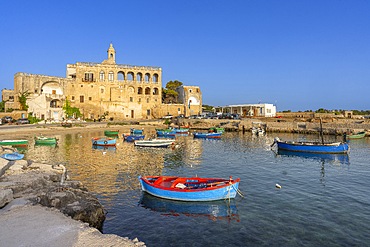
(226,115)
(7,119)
(235,116)
(167,117)
(23,121)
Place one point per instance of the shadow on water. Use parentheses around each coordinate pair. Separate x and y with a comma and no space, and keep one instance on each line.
(216,210)
(325,158)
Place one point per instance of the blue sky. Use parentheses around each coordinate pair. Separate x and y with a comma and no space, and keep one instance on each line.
(299,55)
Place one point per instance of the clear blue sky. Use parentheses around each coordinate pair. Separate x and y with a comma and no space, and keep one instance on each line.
(297,54)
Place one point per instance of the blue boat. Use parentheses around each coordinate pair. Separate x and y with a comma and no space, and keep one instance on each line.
(136,132)
(312,147)
(103,141)
(166,133)
(132,138)
(190,189)
(214,210)
(210,135)
(13,156)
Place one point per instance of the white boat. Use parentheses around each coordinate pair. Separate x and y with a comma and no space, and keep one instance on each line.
(158,143)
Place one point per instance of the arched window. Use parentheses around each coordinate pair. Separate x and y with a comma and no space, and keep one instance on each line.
(102,76)
(120,76)
(147,90)
(130,76)
(155,78)
(147,77)
(139,90)
(155,91)
(139,77)
(111,76)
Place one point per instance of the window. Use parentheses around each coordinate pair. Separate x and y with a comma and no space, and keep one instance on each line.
(139,77)
(147,100)
(102,76)
(89,77)
(130,76)
(102,90)
(131,99)
(147,77)
(73,97)
(139,100)
(90,98)
(53,91)
(81,98)
(120,76)
(110,76)
(190,91)
(155,78)
(148,112)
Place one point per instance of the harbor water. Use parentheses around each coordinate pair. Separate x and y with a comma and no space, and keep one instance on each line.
(323,200)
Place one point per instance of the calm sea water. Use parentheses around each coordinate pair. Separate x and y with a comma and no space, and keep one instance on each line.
(324,200)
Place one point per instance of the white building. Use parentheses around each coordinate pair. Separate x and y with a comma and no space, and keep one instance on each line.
(251,110)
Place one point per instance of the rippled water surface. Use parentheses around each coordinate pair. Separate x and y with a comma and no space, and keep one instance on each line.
(324,200)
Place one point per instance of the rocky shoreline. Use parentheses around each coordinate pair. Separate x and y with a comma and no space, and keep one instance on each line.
(38,195)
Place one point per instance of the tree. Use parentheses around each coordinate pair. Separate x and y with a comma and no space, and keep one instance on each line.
(71,111)
(23,100)
(169,94)
(2,106)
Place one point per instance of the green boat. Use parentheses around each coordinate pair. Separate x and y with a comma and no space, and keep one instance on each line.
(111,132)
(358,135)
(42,140)
(13,142)
(216,130)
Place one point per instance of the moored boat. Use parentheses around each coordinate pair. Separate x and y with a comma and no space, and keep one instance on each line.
(312,147)
(13,142)
(216,130)
(42,140)
(111,132)
(104,141)
(132,138)
(190,188)
(358,135)
(211,135)
(158,143)
(13,156)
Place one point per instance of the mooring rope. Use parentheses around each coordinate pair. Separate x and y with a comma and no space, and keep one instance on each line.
(238,191)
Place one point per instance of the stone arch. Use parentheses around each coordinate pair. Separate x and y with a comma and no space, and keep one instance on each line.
(147,78)
(155,78)
(155,91)
(51,87)
(147,90)
(139,77)
(131,90)
(120,76)
(130,76)
(139,90)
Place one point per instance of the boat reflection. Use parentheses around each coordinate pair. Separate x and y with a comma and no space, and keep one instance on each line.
(215,210)
(333,158)
(110,148)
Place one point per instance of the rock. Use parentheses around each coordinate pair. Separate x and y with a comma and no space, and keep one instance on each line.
(6,196)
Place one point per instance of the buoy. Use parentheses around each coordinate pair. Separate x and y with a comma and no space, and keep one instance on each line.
(278,186)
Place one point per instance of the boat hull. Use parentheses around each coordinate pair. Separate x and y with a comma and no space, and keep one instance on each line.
(334,148)
(13,142)
(356,136)
(111,132)
(205,194)
(104,141)
(12,156)
(45,141)
(157,143)
(211,135)
(132,138)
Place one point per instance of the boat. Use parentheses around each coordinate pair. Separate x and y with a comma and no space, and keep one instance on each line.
(66,124)
(216,130)
(13,156)
(165,133)
(111,132)
(157,143)
(190,188)
(132,138)
(181,131)
(136,131)
(13,142)
(103,141)
(213,210)
(211,135)
(257,131)
(312,147)
(357,135)
(42,140)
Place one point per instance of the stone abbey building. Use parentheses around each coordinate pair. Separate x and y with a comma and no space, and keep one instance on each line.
(115,90)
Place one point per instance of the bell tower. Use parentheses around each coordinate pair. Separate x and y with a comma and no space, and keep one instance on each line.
(111,55)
